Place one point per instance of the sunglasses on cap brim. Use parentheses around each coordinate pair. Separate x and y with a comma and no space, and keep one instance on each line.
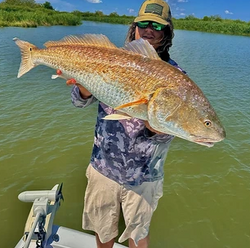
(155,25)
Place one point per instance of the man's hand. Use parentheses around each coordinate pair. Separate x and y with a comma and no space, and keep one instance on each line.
(84,93)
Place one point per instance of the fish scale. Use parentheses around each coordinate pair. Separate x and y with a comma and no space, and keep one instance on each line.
(93,69)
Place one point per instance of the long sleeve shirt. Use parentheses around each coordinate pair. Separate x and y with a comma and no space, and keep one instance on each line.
(125,150)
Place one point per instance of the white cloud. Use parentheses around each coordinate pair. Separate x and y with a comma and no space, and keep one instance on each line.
(182,1)
(131,11)
(228,12)
(94,1)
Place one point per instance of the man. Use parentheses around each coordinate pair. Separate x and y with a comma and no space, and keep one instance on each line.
(126,168)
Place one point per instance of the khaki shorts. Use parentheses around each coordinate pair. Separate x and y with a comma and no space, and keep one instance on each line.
(104,198)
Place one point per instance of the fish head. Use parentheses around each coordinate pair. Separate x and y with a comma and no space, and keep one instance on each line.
(186,114)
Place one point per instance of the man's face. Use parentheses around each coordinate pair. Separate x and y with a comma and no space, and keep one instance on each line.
(154,37)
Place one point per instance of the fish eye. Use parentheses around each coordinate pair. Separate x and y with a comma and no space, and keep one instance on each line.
(207,123)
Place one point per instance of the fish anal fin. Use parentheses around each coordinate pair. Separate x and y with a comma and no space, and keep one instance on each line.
(55,76)
(131,104)
(59,74)
(70,81)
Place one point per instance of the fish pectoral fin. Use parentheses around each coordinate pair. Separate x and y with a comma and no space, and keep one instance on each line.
(120,116)
(131,104)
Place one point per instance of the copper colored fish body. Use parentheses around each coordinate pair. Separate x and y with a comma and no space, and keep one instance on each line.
(133,80)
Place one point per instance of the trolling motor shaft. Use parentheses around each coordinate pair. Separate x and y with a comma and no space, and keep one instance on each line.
(39,224)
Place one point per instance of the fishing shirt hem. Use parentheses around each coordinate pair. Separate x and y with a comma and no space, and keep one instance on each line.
(126,182)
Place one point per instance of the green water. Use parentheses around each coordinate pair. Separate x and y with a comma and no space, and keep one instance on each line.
(44,140)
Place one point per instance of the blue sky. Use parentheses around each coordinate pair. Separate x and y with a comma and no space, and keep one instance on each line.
(226,9)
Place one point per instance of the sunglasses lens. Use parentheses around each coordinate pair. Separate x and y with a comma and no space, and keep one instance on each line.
(157,26)
(142,24)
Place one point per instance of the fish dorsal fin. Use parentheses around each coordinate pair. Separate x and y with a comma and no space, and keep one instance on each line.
(86,39)
(142,47)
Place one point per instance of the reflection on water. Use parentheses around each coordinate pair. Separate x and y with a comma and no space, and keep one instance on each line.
(44,140)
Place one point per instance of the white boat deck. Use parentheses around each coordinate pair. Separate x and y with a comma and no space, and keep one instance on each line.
(40,230)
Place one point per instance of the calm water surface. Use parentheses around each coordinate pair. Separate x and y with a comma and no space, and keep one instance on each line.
(44,140)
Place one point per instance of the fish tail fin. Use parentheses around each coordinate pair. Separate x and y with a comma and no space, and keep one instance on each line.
(26,49)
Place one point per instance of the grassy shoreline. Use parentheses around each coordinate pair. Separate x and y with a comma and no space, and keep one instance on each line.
(209,24)
(34,15)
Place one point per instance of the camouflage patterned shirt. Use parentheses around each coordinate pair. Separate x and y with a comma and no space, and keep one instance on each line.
(126,151)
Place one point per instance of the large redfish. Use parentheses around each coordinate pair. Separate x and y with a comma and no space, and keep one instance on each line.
(133,80)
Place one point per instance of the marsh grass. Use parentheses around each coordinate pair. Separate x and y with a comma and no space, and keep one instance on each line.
(213,24)
(22,16)
(232,27)
(29,14)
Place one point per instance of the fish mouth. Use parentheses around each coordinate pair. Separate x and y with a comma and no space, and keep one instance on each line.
(205,143)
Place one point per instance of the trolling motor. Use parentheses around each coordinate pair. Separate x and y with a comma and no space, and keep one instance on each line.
(39,224)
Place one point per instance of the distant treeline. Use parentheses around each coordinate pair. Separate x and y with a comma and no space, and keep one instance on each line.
(98,16)
(212,24)
(27,13)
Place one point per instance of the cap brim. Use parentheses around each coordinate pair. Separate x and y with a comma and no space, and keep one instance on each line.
(151,18)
